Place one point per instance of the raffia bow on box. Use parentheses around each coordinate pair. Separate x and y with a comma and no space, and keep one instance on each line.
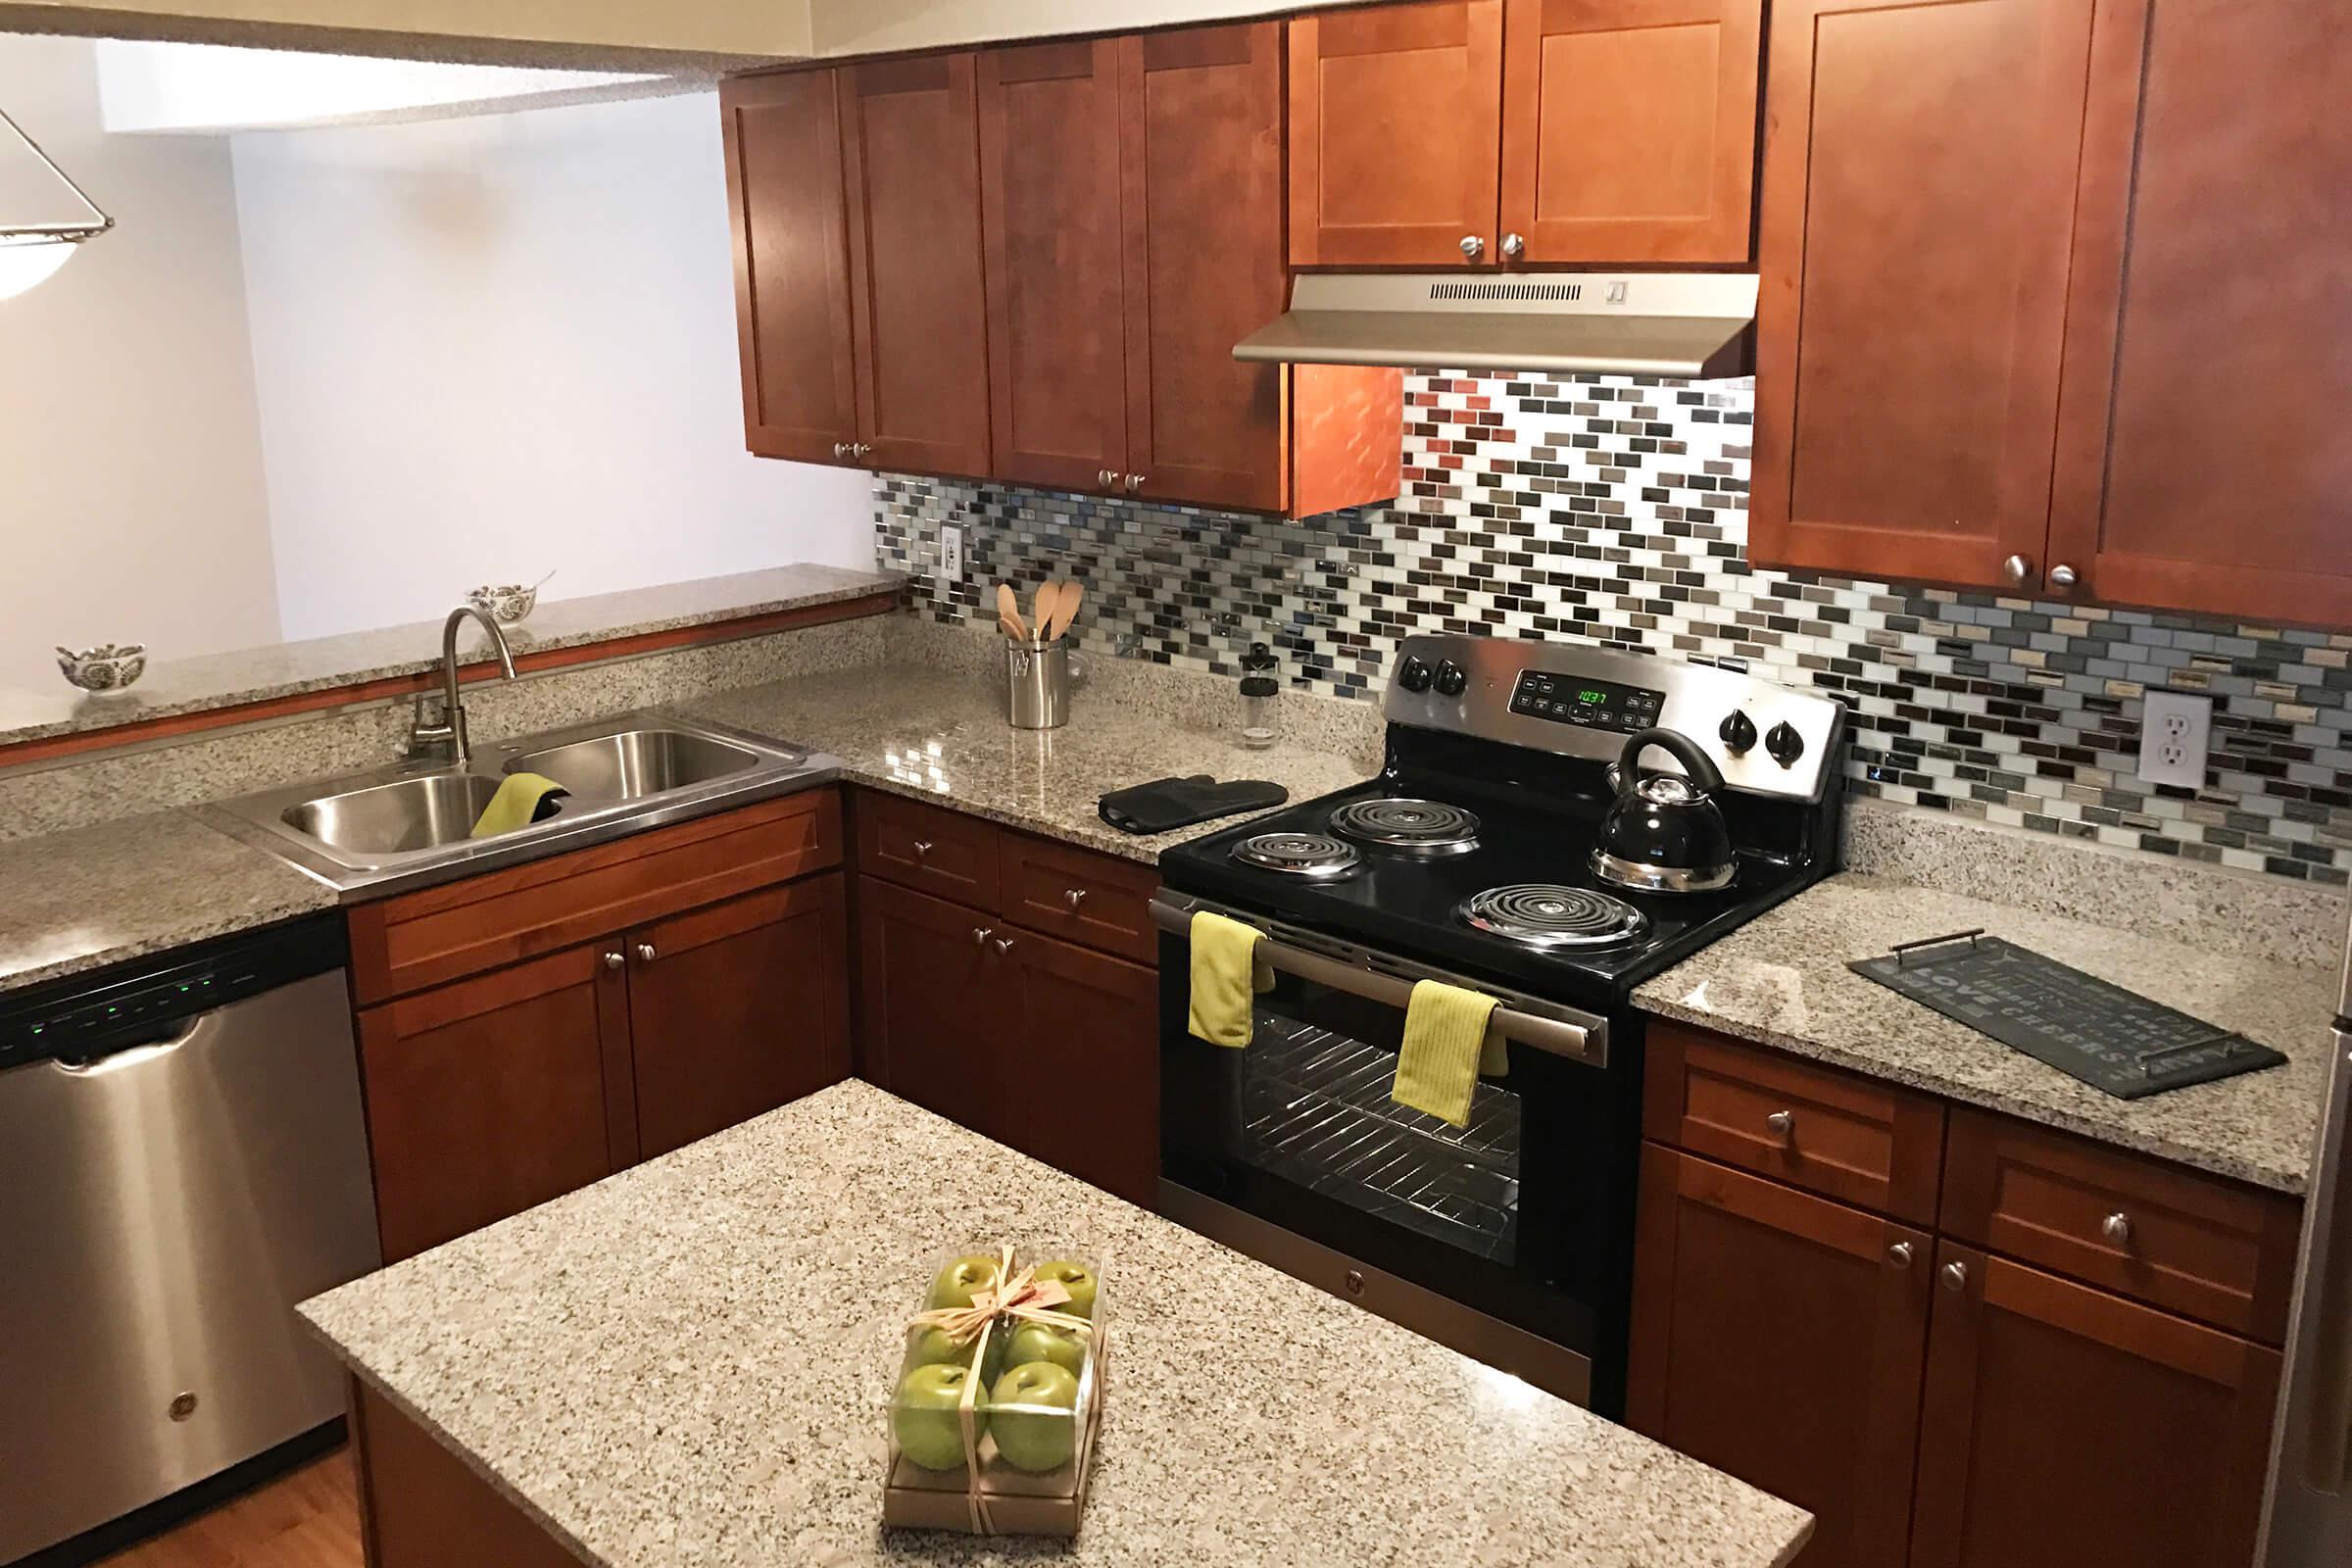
(1015,1296)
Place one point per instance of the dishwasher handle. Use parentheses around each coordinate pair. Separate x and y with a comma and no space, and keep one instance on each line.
(128,1057)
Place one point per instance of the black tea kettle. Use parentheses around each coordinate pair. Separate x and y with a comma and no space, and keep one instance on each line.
(1665,834)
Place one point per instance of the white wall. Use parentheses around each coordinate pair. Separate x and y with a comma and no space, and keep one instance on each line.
(131,503)
(491,348)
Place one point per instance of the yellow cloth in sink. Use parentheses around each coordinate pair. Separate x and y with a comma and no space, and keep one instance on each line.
(1446,1045)
(1226,975)
(519,803)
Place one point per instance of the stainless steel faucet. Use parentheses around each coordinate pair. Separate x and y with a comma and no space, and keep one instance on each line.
(450,730)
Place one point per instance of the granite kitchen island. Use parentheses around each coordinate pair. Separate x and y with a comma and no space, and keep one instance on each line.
(688,1363)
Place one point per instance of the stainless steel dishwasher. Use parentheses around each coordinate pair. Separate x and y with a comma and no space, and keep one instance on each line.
(182,1158)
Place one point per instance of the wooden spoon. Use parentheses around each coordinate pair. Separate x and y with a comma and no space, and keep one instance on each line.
(1008,611)
(1065,608)
(1041,607)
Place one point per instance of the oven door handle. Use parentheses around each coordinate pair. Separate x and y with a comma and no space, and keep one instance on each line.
(1585,1041)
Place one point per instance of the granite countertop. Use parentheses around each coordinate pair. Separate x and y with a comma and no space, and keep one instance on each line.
(100,894)
(940,734)
(689,1363)
(285,669)
(1783,981)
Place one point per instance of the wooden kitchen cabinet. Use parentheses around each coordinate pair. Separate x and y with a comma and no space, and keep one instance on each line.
(1513,132)
(1084,1041)
(931,1005)
(1781,1336)
(2065,1426)
(736,1009)
(857,247)
(1134,224)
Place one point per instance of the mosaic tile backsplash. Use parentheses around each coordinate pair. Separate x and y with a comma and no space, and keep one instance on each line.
(1615,509)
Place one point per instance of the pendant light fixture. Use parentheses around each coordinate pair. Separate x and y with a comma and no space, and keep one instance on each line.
(30,253)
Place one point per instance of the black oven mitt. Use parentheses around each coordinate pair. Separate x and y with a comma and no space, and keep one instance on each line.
(1171,803)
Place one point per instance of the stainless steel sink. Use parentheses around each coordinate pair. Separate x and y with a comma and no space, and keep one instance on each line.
(636,763)
(412,825)
(414,814)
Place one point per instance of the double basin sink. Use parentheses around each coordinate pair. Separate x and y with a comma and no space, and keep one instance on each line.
(622,775)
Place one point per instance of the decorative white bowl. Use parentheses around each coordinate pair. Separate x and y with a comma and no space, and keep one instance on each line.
(505,602)
(108,668)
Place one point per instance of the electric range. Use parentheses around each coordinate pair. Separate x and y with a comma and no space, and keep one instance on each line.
(1468,860)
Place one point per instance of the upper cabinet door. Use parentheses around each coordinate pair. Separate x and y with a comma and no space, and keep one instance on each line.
(791,273)
(1201,140)
(911,149)
(1629,129)
(1049,156)
(1395,125)
(2204,458)
(1920,165)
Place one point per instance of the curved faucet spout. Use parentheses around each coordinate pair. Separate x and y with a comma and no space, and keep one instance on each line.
(452,728)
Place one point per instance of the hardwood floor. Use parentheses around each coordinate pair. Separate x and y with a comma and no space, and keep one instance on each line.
(307,1518)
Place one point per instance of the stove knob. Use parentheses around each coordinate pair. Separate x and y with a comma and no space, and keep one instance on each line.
(1785,744)
(1453,679)
(1414,674)
(1739,732)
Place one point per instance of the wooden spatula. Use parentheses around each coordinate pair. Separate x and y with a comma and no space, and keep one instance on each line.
(1009,612)
(1041,607)
(1065,608)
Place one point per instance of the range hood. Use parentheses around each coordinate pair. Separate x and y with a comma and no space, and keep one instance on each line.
(1691,324)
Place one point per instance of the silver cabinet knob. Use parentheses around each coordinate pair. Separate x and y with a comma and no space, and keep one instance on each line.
(1107,478)
(2062,575)
(1955,1276)
(1074,897)
(646,953)
(1473,247)
(1354,1282)
(1781,1123)
(1005,944)
(2017,569)
(1899,1255)
(1514,246)
(860,449)
(981,934)
(2117,1228)
(613,961)
(841,449)
(1135,482)
(922,847)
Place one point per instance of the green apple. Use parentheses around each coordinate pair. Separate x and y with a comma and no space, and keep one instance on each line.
(958,1281)
(1043,1436)
(933,1348)
(1046,1341)
(924,1415)
(1075,1278)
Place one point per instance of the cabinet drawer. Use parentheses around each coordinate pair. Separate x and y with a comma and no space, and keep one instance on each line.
(1081,897)
(1843,1137)
(413,939)
(2162,1234)
(928,848)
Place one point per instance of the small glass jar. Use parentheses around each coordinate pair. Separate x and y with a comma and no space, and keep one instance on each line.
(1260,719)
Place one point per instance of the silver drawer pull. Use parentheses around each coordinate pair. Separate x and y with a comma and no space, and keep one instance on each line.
(1781,1123)
(2117,1228)
(1005,944)
(1955,1276)
(646,953)
(922,848)
(1074,897)
(981,934)
(1899,1255)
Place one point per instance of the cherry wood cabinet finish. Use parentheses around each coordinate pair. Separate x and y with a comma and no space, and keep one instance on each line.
(491,1096)
(1081,897)
(1849,1137)
(1920,167)
(1079,1063)
(2192,1243)
(1629,129)
(1781,1338)
(737,1008)
(439,933)
(792,276)
(2065,1426)
(932,996)
(2203,458)
(421,1507)
(1049,160)
(1395,121)
(910,157)
(927,847)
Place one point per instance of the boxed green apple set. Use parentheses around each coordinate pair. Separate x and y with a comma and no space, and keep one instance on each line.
(999,1394)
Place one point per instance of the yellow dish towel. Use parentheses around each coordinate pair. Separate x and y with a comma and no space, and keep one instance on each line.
(1226,973)
(1446,1045)
(524,799)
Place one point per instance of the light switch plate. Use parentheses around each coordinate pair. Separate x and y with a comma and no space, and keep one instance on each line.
(950,556)
(2174,734)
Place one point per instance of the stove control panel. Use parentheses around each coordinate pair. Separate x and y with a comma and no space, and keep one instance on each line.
(1592,704)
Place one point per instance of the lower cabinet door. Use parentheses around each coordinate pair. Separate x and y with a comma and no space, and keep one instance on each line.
(2064,1425)
(737,1008)
(1780,1336)
(933,1008)
(1081,1064)
(493,1094)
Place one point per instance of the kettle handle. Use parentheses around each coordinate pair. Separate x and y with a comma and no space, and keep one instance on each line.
(1705,777)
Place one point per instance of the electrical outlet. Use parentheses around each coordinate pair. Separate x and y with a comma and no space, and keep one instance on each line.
(2174,733)
(950,556)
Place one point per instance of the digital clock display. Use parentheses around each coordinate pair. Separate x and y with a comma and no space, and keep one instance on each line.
(1588,705)
(1591,698)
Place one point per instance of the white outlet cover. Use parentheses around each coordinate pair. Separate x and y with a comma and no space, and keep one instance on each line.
(2174,733)
(951,554)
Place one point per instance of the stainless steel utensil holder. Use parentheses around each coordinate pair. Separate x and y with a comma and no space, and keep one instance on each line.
(1037,684)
